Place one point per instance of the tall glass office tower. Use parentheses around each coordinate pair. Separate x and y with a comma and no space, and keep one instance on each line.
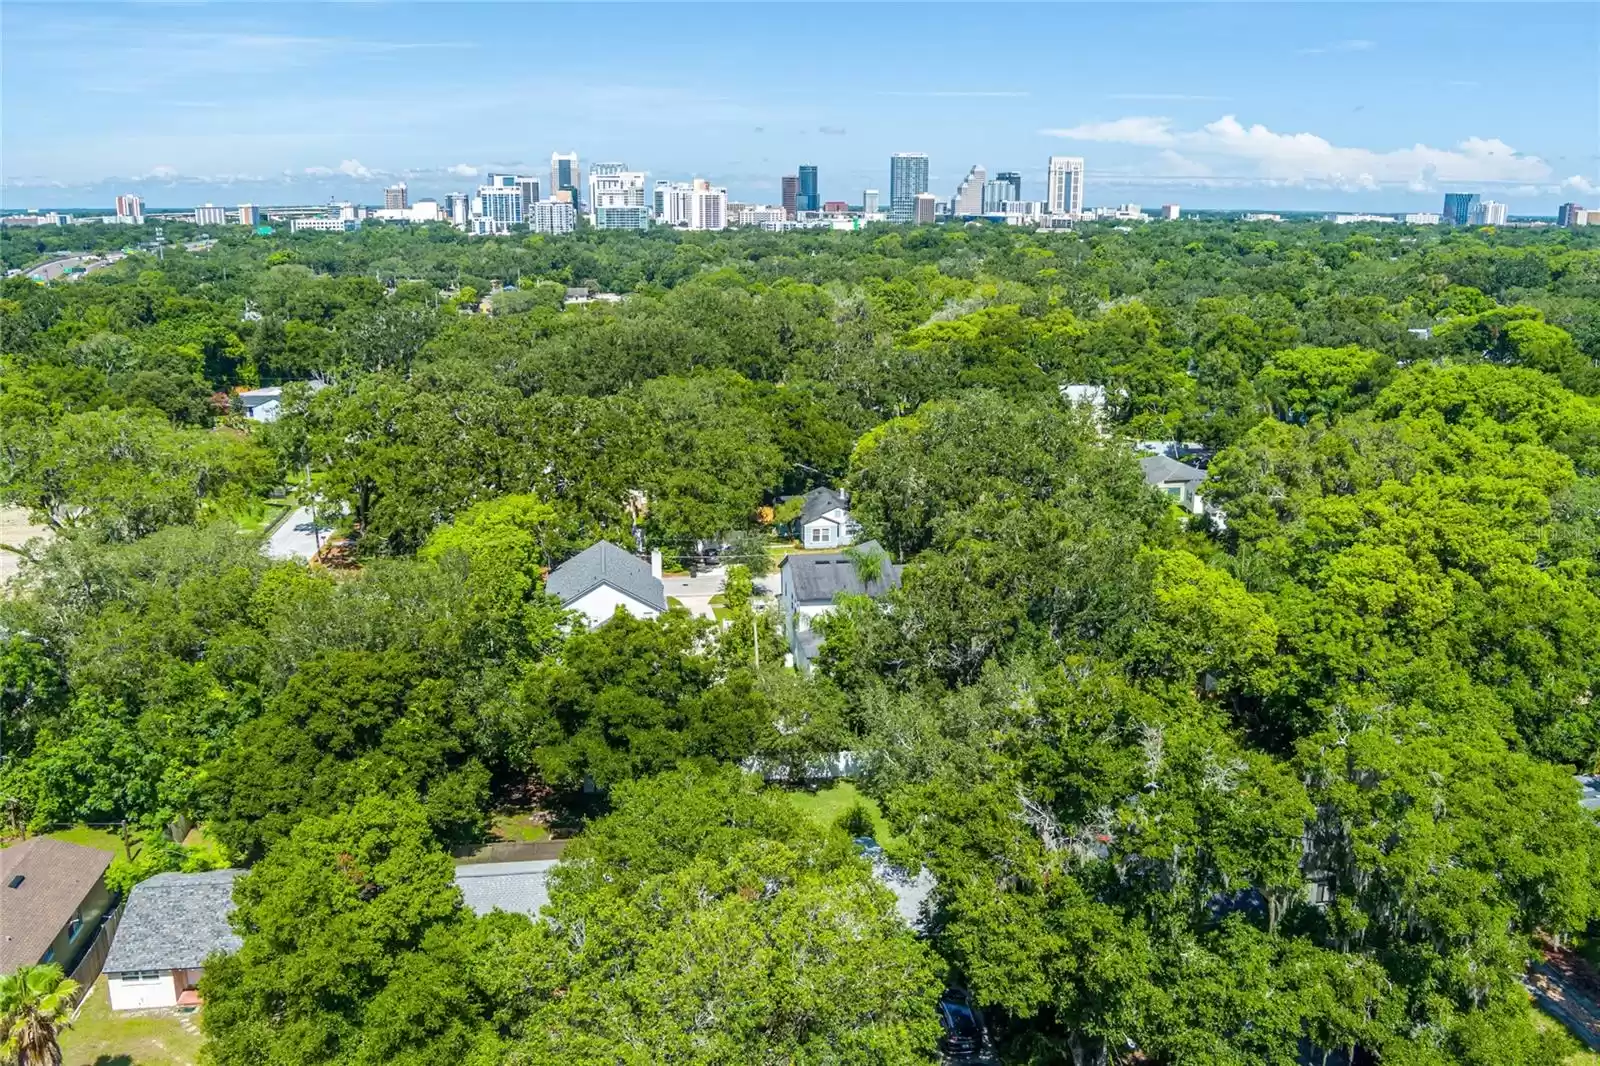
(908,179)
(1458,207)
(809,199)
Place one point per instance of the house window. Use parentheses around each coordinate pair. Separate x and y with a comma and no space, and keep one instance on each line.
(821,535)
(139,977)
(1175,491)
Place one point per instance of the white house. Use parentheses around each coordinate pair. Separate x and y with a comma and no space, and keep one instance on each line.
(1178,480)
(265,405)
(825,520)
(172,922)
(809,584)
(603,577)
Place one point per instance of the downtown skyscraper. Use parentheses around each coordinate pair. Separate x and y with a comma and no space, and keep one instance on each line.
(1064,185)
(808,198)
(908,179)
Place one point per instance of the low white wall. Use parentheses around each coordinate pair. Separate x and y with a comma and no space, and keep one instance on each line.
(142,993)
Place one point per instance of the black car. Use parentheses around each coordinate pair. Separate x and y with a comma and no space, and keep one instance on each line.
(964,1039)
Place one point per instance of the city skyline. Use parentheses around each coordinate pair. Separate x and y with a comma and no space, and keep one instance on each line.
(1295,108)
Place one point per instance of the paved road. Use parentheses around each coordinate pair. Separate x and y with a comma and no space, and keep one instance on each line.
(294,539)
(696,592)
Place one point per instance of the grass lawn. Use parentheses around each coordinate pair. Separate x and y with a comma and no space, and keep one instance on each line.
(522,826)
(1578,1055)
(104,839)
(260,515)
(142,1038)
(826,805)
(199,838)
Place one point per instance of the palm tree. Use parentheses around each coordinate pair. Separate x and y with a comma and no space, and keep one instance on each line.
(34,1004)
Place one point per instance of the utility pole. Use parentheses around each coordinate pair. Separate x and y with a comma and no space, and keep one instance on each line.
(755,632)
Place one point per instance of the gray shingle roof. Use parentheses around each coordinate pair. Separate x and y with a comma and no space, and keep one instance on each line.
(515,887)
(56,878)
(818,503)
(603,563)
(173,921)
(818,578)
(1163,469)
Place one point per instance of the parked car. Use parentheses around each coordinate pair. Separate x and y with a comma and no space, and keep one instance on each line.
(965,1040)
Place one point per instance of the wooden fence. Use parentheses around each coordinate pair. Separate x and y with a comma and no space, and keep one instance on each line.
(88,969)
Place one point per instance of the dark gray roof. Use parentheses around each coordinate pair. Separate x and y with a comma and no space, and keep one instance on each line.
(819,577)
(1161,469)
(1589,792)
(603,563)
(516,887)
(818,503)
(56,878)
(173,921)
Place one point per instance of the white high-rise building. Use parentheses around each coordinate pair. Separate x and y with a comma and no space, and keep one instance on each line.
(1064,185)
(210,215)
(130,209)
(1487,213)
(968,199)
(693,204)
(1170,212)
(869,201)
(708,206)
(497,207)
(925,208)
(767,218)
(617,197)
(395,197)
(553,216)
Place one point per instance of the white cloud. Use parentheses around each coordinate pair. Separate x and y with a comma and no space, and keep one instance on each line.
(352,168)
(1305,158)
(1579,183)
(462,170)
(1339,46)
(1133,130)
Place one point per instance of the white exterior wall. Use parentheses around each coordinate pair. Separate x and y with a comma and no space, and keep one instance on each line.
(842,531)
(144,993)
(601,603)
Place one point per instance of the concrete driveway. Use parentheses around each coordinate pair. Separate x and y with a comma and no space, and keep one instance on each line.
(695,592)
(294,538)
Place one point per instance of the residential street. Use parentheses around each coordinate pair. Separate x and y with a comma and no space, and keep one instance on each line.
(294,539)
(695,592)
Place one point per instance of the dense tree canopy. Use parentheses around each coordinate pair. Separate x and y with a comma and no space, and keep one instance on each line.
(1288,776)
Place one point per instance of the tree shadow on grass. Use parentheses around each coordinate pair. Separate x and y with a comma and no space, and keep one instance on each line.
(114,1060)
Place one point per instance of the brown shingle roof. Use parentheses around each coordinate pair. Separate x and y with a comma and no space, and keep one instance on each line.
(56,877)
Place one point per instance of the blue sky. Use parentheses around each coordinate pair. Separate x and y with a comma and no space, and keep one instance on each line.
(1348,106)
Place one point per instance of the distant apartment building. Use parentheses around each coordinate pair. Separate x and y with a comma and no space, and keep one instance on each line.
(1458,207)
(1571,215)
(130,209)
(498,205)
(968,199)
(791,193)
(1020,212)
(458,208)
(1422,218)
(925,208)
(617,197)
(869,201)
(808,197)
(553,217)
(908,179)
(693,204)
(761,217)
(1170,212)
(324,225)
(565,175)
(249,215)
(1064,185)
(835,207)
(1487,213)
(1004,187)
(210,215)
(1352,219)
(395,197)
